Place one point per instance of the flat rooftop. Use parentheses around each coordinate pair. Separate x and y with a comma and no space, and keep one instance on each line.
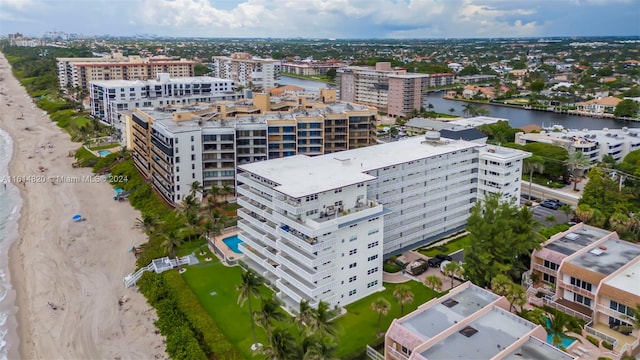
(302,175)
(576,240)
(477,121)
(173,80)
(535,349)
(448,312)
(628,280)
(485,337)
(608,257)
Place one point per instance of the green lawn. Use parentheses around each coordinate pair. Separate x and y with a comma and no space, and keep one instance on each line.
(448,248)
(358,327)
(232,319)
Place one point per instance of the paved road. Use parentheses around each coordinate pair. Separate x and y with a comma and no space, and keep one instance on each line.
(565,195)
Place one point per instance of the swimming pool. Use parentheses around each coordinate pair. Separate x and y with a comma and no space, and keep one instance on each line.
(566,342)
(104,153)
(232,243)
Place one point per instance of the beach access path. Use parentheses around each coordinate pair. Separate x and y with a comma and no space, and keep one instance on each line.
(68,275)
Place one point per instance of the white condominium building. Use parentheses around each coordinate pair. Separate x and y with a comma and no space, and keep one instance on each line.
(110,97)
(595,144)
(427,186)
(309,228)
(246,70)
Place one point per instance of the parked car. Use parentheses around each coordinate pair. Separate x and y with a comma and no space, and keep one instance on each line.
(444,257)
(552,204)
(417,267)
(435,262)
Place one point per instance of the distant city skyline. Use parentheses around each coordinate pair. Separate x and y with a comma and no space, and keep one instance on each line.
(341,19)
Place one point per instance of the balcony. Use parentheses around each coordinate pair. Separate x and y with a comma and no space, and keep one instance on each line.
(254,206)
(293,206)
(613,313)
(305,258)
(302,285)
(257,222)
(263,263)
(578,290)
(308,273)
(545,270)
(339,219)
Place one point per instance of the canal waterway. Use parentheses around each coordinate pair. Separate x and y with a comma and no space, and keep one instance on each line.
(517,117)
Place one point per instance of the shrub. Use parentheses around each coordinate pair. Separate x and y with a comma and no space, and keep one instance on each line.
(607,345)
(391,267)
(528,203)
(593,340)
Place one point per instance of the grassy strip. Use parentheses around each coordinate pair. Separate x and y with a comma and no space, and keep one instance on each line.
(447,248)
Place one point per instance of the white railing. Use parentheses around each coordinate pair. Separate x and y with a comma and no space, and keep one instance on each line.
(167,263)
(545,269)
(373,354)
(578,290)
(601,335)
(565,309)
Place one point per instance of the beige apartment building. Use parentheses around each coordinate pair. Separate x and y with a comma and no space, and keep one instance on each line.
(175,145)
(391,90)
(467,323)
(592,274)
(78,72)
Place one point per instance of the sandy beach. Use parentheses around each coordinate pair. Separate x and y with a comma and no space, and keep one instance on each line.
(68,275)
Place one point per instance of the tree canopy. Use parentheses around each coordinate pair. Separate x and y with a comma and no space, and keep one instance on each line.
(554,158)
(500,132)
(627,108)
(501,238)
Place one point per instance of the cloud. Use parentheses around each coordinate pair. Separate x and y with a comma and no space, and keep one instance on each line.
(324,18)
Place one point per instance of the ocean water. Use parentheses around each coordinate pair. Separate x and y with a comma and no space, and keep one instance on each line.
(10,203)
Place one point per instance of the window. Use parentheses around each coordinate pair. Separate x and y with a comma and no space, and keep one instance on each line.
(550,265)
(371,258)
(621,308)
(373,244)
(352,265)
(352,279)
(177,159)
(352,292)
(406,351)
(580,283)
(374,231)
(353,238)
(192,138)
(372,284)
(372,271)
(353,251)
(193,157)
(549,278)
(582,299)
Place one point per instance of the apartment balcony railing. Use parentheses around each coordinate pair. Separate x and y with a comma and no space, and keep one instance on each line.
(616,314)
(255,257)
(305,258)
(301,285)
(258,223)
(578,290)
(254,206)
(254,195)
(395,354)
(565,309)
(292,206)
(262,249)
(246,179)
(599,334)
(545,270)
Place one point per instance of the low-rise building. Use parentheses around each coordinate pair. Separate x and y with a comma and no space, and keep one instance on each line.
(310,68)
(595,144)
(590,273)
(602,107)
(467,323)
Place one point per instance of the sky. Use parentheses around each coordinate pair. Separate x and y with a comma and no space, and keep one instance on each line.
(342,19)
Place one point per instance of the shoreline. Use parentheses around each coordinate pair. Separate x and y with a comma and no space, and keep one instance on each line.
(67,276)
(12,338)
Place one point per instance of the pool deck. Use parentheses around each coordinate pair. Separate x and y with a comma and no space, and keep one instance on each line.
(220,245)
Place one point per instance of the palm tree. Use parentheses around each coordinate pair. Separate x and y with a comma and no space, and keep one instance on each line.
(281,345)
(560,323)
(170,242)
(577,163)
(530,165)
(148,223)
(320,348)
(468,109)
(434,282)
(226,191)
(214,193)
(305,315)
(250,286)
(452,269)
(452,110)
(381,306)
(270,310)
(193,224)
(196,187)
(321,322)
(189,204)
(403,295)
(212,229)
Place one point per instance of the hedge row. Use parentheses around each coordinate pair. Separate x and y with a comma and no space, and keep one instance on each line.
(189,330)
(213,340)
(182,342)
